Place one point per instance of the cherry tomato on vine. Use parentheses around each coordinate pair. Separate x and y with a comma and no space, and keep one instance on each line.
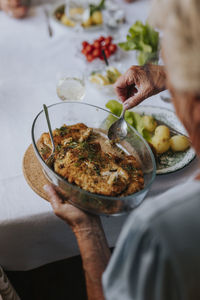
(89,48)
(107,53)
(112,48)
(101,39)
(84,44)
(96,52)
(89,57)
(108,40)
(97,44)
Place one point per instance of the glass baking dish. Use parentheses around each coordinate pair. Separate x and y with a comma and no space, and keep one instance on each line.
(70,113)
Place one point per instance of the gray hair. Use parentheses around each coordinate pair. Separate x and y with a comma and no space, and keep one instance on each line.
(179,20)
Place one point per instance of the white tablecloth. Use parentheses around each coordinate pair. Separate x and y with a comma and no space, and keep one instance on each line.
(30,234)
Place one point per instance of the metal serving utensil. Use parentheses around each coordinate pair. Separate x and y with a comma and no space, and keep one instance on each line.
(50,159)
(172,130)
(166,99)
(118,130)
(50,31)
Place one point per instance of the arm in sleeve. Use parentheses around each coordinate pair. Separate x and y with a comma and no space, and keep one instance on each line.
(140,268)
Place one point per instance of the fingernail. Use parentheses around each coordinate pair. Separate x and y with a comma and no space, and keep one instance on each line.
(126,106)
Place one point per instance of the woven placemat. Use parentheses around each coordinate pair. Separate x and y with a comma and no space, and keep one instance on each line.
(33,173)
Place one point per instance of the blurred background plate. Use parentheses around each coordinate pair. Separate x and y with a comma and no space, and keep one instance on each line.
(170,161)
(59,10)
(113,18)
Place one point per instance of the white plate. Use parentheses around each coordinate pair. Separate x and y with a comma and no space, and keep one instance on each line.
(169,161)
(91,28)
(110,9)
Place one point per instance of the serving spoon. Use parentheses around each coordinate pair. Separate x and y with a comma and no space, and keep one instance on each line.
(50,159)
(118,130)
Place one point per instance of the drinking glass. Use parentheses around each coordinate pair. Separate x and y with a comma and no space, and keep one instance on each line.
(70,85)
(77,11)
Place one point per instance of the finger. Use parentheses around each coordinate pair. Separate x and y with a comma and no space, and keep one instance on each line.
(131,91)
(119,84)
(8,4)
(122,94)
(133,101)
(53,196)
(125,85)
(19,12)
(126,79)
(120,91)
(127,93)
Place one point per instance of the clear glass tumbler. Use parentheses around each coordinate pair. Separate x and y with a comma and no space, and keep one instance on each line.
(70,85)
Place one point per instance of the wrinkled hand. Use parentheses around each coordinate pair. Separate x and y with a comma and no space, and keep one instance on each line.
(139,83)
(129,1)
(76,218)
(14,8)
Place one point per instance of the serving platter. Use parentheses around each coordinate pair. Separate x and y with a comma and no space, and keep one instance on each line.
(170,161)
(60,8)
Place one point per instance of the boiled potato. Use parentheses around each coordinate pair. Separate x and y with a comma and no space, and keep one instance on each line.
(149,123)
(160,145)
(64,19)
(97,18)
(179,143)
(162,132)
(160,140)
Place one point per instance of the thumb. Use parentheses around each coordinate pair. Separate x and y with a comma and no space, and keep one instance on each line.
(53,196)
(133,101)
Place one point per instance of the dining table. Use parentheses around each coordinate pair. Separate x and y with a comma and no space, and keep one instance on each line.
(30,63)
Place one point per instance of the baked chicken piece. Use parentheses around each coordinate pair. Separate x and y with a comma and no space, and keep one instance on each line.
(79,158)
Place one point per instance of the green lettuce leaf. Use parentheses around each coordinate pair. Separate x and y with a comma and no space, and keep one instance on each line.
(133,118)
(115,107)
(143,38)
(98,7)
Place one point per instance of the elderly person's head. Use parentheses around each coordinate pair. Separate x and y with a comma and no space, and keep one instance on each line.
(179,21)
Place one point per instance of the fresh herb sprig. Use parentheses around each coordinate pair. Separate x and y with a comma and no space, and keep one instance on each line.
(98,7)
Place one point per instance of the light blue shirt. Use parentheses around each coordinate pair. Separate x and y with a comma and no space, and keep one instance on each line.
(157,256)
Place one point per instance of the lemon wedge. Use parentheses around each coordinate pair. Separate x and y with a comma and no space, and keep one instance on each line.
(112,74)
(114,70)
(99,79)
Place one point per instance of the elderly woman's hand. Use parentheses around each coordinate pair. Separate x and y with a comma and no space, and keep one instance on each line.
(91,240)
(14,8)
(139,83)
(76,218)
(129,1)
